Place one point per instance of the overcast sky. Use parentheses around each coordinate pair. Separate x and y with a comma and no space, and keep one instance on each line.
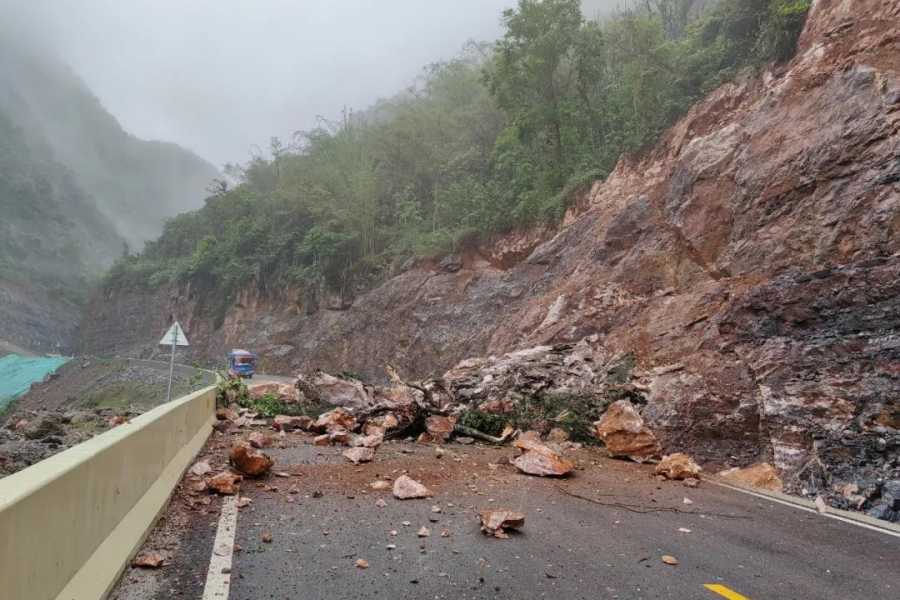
(220,75)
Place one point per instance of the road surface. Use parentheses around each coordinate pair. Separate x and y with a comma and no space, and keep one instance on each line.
(600,534)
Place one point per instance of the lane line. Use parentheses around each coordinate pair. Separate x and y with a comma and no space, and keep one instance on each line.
(218,577)
(724,591)
(831,513)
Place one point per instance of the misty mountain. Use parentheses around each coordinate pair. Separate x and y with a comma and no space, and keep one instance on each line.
(136,184)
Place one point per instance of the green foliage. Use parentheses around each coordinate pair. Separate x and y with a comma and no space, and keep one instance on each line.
(231,391)
(503,136)
(574,414)
(269,405)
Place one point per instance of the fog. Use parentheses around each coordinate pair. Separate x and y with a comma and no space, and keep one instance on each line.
(218,76)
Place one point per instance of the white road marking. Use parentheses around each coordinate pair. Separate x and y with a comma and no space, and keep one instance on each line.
(218,578)
(795,503)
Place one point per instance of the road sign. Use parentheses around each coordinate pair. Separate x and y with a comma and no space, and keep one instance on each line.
(176,334)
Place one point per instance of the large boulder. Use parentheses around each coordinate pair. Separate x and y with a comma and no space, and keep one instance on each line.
(44,425)
(623,431)
(249,461)
(336,391)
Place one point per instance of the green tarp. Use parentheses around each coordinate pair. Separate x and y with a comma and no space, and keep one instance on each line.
(17,373)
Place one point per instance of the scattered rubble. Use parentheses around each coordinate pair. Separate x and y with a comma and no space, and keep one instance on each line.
(287,423)
(249,461)
(623,431)
(406,488)
(496,521)
(200,468)
(225,483)
(678,466)
(259,440)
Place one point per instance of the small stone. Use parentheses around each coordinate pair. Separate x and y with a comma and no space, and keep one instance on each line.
(267,538)
(406,488)
(362,564)
(670,560)
(423,532)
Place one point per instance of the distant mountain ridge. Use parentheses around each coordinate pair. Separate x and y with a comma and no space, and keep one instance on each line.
(137,184)
(74,188)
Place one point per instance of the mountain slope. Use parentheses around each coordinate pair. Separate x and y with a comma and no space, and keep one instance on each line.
(749,261)
(137,184)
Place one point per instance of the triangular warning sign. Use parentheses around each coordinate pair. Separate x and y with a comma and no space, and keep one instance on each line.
(175,333)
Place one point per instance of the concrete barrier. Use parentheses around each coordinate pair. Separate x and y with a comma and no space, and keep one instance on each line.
(70,524)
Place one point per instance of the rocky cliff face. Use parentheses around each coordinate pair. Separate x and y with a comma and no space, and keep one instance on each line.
(749,262)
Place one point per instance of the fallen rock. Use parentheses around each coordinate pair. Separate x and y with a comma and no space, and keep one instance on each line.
(359,454)
(116,421)
(250,461)
(339,437)
(286,423)
(150,560)
(368,441)
(623,431)
(44,425)
(380,485)
(692,482)
(225,483)
(558,435)
(362,564)
(423,532)
(322,440)
(406,488)
(439,428)
(371,429)
(226,414)
(678,466)
(286,392)
(762,476)
(224,426)
(670,560)
(496,521)
(338,419)
(243,501)
(200,468)
(538,459)
(258,439)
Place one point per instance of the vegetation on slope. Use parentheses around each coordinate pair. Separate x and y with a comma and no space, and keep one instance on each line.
(51,234)
(495,139)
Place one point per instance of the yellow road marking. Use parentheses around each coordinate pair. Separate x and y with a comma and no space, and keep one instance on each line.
(724,591)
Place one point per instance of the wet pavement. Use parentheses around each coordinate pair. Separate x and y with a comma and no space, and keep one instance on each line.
(600,533)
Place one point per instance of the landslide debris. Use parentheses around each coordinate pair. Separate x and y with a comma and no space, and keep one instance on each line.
(250,461)
(497,521)
(623,431)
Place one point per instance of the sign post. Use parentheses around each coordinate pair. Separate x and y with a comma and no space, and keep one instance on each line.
(175,336)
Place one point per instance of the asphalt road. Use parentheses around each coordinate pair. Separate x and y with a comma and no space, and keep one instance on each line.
(570,547)
(607,543)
